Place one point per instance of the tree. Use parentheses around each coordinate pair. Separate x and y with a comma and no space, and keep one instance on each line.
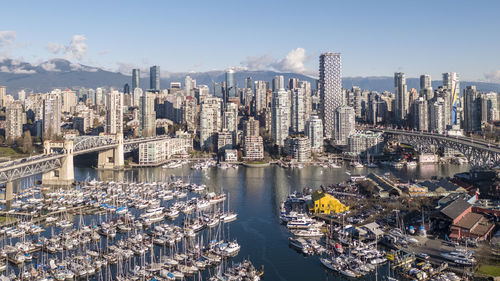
(27,142)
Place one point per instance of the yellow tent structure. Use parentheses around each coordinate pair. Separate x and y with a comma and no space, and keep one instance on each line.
(324,203)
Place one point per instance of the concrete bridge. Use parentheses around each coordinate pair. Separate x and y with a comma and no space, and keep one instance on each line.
(479,153)
(56,163)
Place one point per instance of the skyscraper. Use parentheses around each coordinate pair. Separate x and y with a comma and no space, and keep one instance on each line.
(344,124)
(154,77)
(210,121)
(298,110)
(3,94)
(136,74)
(248,83)
(13,121)
(472,109)
(260,95)
(147,115)
(401,94)
(278,83)
(330,89)
(51,115)
(420,114)
(314,131)
(279,116)
(189,85)
(293,83)
(219,89)
(126,89)
(437,122)
(425,81)
(306,86)
(114,113)
(231,88)
(451,82)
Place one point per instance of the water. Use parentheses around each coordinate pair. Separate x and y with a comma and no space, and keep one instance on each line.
(255,194)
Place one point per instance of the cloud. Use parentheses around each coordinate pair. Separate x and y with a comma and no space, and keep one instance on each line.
(7,38)
(49,66)
(16,70)
(492,76)
(126,67)
(79,67)
(77,47)
(258,63)
(55,48)
(293,62)
(21,70)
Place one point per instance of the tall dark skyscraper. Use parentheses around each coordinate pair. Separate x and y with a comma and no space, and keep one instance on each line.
(154,77)
(330,89)
(402,99)
(135,78)
(126,89)
(231,88)
(248,83)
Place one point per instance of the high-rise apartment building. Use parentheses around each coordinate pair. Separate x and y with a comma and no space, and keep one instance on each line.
(298,148)
(279,116)
(298,110)
(147,114)
(451,82)
(210,121)
(421,114)
(154,77)
(260,95)
(472,109)
(489,107)
(51,122)
(3,94)
(278,83)
(344,124)
(425,81)
(136,97)
(306,86)
(401,104)
(314,131)
(68,100)
(13,121)
(251,127)
(21,95)
(330,89)
(136,75)
(189,85)
(437,115)
(114,113)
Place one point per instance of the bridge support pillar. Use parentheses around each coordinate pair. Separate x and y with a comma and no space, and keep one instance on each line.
(9,191)
(65,175)
(112,159)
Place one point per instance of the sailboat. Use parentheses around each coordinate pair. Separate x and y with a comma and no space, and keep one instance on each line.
(228,216)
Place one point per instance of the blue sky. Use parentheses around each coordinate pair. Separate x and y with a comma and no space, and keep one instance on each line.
(376,38)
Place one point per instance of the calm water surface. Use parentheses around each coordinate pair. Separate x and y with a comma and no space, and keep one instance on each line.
(255,194)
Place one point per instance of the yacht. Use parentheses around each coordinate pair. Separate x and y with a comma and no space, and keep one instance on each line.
(229,217)
(301,223)
(310,233)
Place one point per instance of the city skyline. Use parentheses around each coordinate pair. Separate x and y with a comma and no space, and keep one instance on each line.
(121,44)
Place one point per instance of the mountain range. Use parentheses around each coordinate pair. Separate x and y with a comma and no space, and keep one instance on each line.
(63,74)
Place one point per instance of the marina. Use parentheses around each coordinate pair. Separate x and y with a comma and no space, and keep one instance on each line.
(253,194)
